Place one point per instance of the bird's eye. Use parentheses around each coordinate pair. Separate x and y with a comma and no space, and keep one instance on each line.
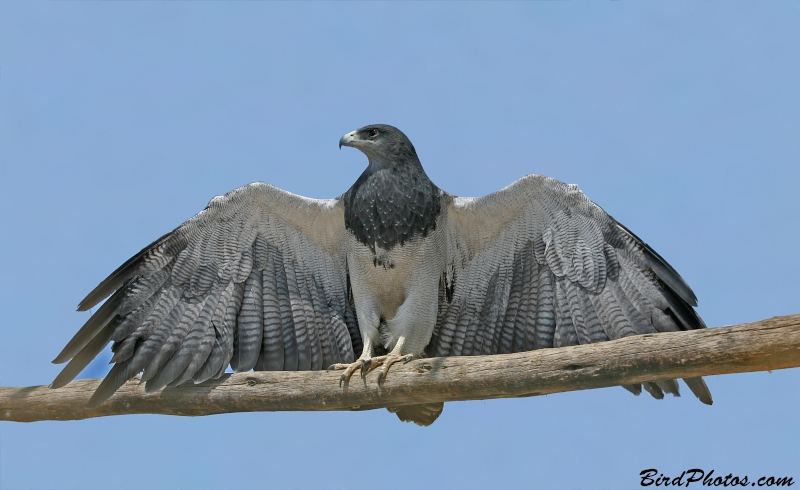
(372,133)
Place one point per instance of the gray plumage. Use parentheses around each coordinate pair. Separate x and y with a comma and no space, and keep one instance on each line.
(264,279)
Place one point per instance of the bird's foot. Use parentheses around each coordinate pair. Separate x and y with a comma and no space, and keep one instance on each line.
(387,362)
(350,369)
(367,365)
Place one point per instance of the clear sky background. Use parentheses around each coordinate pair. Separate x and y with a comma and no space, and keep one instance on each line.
(120,120)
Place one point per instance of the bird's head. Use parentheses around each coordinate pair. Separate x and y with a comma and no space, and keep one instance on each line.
(383,145)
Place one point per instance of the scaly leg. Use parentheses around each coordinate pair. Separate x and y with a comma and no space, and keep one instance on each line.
(363,363)
(367,363)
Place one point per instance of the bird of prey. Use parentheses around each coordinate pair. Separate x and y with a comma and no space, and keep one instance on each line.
(392,269)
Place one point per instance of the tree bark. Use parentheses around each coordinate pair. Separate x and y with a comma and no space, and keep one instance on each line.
(759,346)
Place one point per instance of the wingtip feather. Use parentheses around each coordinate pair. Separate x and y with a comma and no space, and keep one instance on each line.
(82,359)
(664,271)
(117,278)
(115,378)
(700,389)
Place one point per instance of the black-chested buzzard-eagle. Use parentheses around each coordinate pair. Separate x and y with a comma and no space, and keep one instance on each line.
(394,268)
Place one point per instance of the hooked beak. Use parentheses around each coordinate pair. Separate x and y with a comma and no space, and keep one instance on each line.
(347,140)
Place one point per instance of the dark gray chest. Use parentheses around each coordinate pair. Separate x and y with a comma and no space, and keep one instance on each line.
(388,207)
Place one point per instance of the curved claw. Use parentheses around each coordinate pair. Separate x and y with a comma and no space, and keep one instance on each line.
(380,378)
(332,367)
(341,380)
(409,359)
(364,365)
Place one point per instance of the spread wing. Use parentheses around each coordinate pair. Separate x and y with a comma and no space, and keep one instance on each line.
(256,280)
(537,265)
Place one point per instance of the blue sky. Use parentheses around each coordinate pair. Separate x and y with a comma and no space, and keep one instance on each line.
(120,120)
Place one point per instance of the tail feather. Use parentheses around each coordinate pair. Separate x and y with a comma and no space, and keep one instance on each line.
(423,414)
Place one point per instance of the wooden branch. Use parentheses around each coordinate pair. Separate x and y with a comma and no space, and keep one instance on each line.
(764,345)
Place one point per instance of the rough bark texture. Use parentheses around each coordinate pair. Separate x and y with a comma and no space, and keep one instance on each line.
(759,346)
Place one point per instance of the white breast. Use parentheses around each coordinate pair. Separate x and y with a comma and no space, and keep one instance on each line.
(398,286)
